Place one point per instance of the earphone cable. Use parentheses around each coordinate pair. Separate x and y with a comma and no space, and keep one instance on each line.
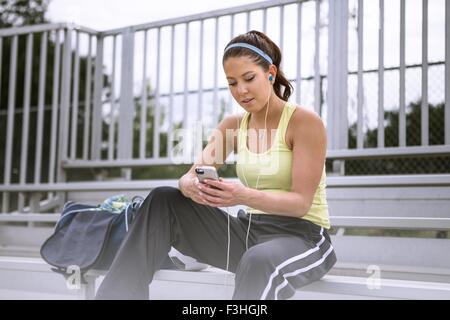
(250,217)
(259,174)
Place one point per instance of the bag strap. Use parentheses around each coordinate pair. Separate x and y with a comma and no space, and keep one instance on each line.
(135,205)
(72,212)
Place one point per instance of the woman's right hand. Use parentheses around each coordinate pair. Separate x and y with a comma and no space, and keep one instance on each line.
(188,185)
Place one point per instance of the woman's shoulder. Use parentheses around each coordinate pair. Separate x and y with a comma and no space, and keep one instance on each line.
(304,124)
(232,121)
(304,117)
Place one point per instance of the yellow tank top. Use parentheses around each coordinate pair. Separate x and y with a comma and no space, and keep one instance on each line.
(274,168)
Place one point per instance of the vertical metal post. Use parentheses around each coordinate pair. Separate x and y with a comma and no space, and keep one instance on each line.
(447,72)
(337,71)
(1,59)
(87,101)
(281,33)
(299,54)
(126,108)
(143,126)
(65,105)
(171,103)
(97,121)
(41,102)
(75,97)
(424,106)
(380,133)
(200,77)
(402,111)
(25,119)
(34,205)
(230,97)
(331,94)
(216,65)
(157,105)
(360,93)
(264,21)
(343,73)
(10,121)
(317,85)
(186,80)
(55,104)
(112,101)
(337,122)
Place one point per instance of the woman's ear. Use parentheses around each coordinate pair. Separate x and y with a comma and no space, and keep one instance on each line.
(273,71)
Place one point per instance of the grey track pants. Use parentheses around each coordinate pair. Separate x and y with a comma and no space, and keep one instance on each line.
(283,253)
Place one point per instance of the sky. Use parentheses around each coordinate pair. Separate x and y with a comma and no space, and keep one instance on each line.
(109,14)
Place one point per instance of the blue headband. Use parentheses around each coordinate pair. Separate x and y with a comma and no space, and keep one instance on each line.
(249,46)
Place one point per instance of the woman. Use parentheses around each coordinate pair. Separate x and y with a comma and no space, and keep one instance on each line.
(280,242)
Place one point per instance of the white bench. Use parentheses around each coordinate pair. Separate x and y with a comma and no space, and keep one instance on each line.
(31,278)
(419,203)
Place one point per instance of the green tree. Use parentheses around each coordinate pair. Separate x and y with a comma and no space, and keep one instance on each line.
(14,13)
(432,164)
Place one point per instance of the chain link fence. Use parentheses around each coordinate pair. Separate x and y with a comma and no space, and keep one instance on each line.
(413,95)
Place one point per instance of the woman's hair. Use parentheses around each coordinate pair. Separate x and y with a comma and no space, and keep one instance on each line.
(263,42)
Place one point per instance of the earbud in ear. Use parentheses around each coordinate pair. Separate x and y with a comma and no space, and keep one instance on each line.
(270,77)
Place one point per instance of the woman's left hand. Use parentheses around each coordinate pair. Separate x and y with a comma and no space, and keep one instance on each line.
(225,193)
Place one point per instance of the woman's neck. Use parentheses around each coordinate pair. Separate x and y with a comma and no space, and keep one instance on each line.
(276,106)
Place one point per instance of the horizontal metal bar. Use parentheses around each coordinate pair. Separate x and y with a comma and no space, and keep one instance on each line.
(390,181)
(203,16)
(407,66)
(30,29)
(28,217)
(45,27)
(391,222)
(117,163)
(92,186)
(390,152)
(82,29)
(45,205)
(334,182)
(332,154)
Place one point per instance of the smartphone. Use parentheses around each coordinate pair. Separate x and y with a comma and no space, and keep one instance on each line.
(206,172)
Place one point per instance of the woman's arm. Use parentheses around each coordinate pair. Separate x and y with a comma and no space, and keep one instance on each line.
(309,142)
(220,144)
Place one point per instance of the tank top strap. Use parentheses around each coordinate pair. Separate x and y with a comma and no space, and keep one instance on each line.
(242,133)
(284,121)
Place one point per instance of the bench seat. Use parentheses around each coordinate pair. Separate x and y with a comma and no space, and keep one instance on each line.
(31,278)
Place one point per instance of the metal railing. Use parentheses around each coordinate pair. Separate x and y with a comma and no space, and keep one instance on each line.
(99,115)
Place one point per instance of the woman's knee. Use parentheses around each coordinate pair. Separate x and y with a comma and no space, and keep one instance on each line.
(161,196)
(164,193)
(255,258)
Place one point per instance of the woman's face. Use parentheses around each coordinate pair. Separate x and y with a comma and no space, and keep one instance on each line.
(248,82)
